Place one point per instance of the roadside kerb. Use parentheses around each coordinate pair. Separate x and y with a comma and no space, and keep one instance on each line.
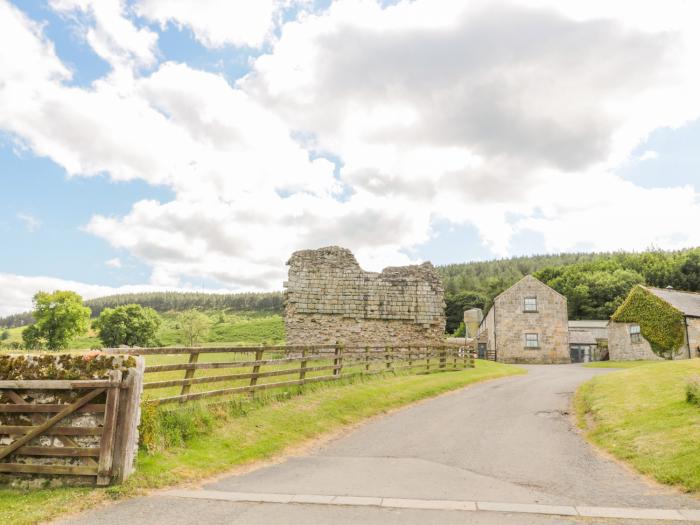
(645,514)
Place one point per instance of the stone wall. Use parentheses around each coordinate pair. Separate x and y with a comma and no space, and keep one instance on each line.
(549,322)
(329,298)
(621,347)
(694,335)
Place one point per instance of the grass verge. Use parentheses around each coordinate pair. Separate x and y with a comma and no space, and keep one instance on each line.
(618,364)
(641,416)
(217,438)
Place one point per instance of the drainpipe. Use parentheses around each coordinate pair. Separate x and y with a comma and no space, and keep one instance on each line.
(687,337)
(495,323)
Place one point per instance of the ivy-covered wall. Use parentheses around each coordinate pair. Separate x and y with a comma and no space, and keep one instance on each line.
(660,324)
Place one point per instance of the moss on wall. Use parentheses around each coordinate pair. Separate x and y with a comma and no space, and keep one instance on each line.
(660,323)
(63,366)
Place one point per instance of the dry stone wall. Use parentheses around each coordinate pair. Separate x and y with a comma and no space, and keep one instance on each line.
(329,298)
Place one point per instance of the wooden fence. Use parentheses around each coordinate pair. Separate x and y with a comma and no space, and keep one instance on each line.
(97,460)
(186,374)
(75,427)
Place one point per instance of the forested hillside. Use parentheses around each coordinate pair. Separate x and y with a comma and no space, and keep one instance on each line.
(174,302)
(594,283)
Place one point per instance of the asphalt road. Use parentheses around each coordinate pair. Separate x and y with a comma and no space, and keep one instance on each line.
(510,440)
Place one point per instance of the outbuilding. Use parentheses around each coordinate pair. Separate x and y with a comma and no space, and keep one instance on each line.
(656,323)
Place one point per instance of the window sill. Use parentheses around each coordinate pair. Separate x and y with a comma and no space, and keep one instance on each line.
(532,348)
(531,311)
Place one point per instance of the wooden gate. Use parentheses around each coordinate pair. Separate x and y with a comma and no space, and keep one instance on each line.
(41,432)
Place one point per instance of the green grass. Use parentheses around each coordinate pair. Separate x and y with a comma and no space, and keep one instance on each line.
(618,364)
(235,433)
(641,416)
(232,328)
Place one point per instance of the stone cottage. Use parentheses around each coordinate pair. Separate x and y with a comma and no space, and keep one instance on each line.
(625,339)
(528,323)
(329,298)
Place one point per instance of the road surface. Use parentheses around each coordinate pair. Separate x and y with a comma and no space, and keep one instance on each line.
(500,452)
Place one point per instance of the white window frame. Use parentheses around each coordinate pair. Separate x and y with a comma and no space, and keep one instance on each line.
(528,341)
(525,306)
(635,333)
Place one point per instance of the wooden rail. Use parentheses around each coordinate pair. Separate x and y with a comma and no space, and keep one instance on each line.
(97,460)
(274,367)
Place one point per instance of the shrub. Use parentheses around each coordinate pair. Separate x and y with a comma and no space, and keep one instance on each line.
(692,391)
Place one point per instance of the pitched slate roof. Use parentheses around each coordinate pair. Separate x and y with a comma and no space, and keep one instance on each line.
(588,323)
(581,337)
(687,302)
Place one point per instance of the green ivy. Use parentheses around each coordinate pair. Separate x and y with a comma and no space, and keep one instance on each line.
(660,323)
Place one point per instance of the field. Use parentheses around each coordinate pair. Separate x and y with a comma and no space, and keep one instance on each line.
(640,415)
(247,431)
(236,328)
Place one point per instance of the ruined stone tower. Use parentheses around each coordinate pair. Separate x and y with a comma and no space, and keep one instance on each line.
(329,298)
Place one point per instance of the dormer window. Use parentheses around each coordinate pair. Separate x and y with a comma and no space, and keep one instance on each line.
(635,333)
(530,304)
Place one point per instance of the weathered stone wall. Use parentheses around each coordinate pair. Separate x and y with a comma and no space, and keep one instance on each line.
(621,347)
(549,322)
(329,298)
(694,335)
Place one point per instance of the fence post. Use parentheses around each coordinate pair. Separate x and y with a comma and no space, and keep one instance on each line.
(366,358)
(455,353)
(126,444)
(410,359)
(386,358)
(302,368)
(109,428)
(189,373)
(443,357)
(427,358)
(256,370)
(337,361)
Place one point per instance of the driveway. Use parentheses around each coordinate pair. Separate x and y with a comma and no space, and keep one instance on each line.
(509,444)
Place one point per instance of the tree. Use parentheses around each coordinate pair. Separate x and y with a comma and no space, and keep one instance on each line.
(457,304)
(59,317)
(5,335)
(192,325)
(131,325)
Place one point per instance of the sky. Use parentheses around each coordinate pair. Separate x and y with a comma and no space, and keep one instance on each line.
(195,144)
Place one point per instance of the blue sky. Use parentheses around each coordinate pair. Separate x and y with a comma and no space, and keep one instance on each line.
(215,149)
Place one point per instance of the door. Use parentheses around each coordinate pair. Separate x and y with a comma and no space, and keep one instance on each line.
(576,352)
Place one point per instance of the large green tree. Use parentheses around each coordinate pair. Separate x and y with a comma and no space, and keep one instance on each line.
(59,317)
(131,325)
(193,325)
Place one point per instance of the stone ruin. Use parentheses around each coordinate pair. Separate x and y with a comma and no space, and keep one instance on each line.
(329,299)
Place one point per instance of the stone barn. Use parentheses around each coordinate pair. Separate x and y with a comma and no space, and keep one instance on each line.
(329,298)
(626,339)
(528,323)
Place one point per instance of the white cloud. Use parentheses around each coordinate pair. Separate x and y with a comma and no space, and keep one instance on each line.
(649,154)
(31,223)
(216,23)
(112,35)
(18,290)
(114,262)
(497,115)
